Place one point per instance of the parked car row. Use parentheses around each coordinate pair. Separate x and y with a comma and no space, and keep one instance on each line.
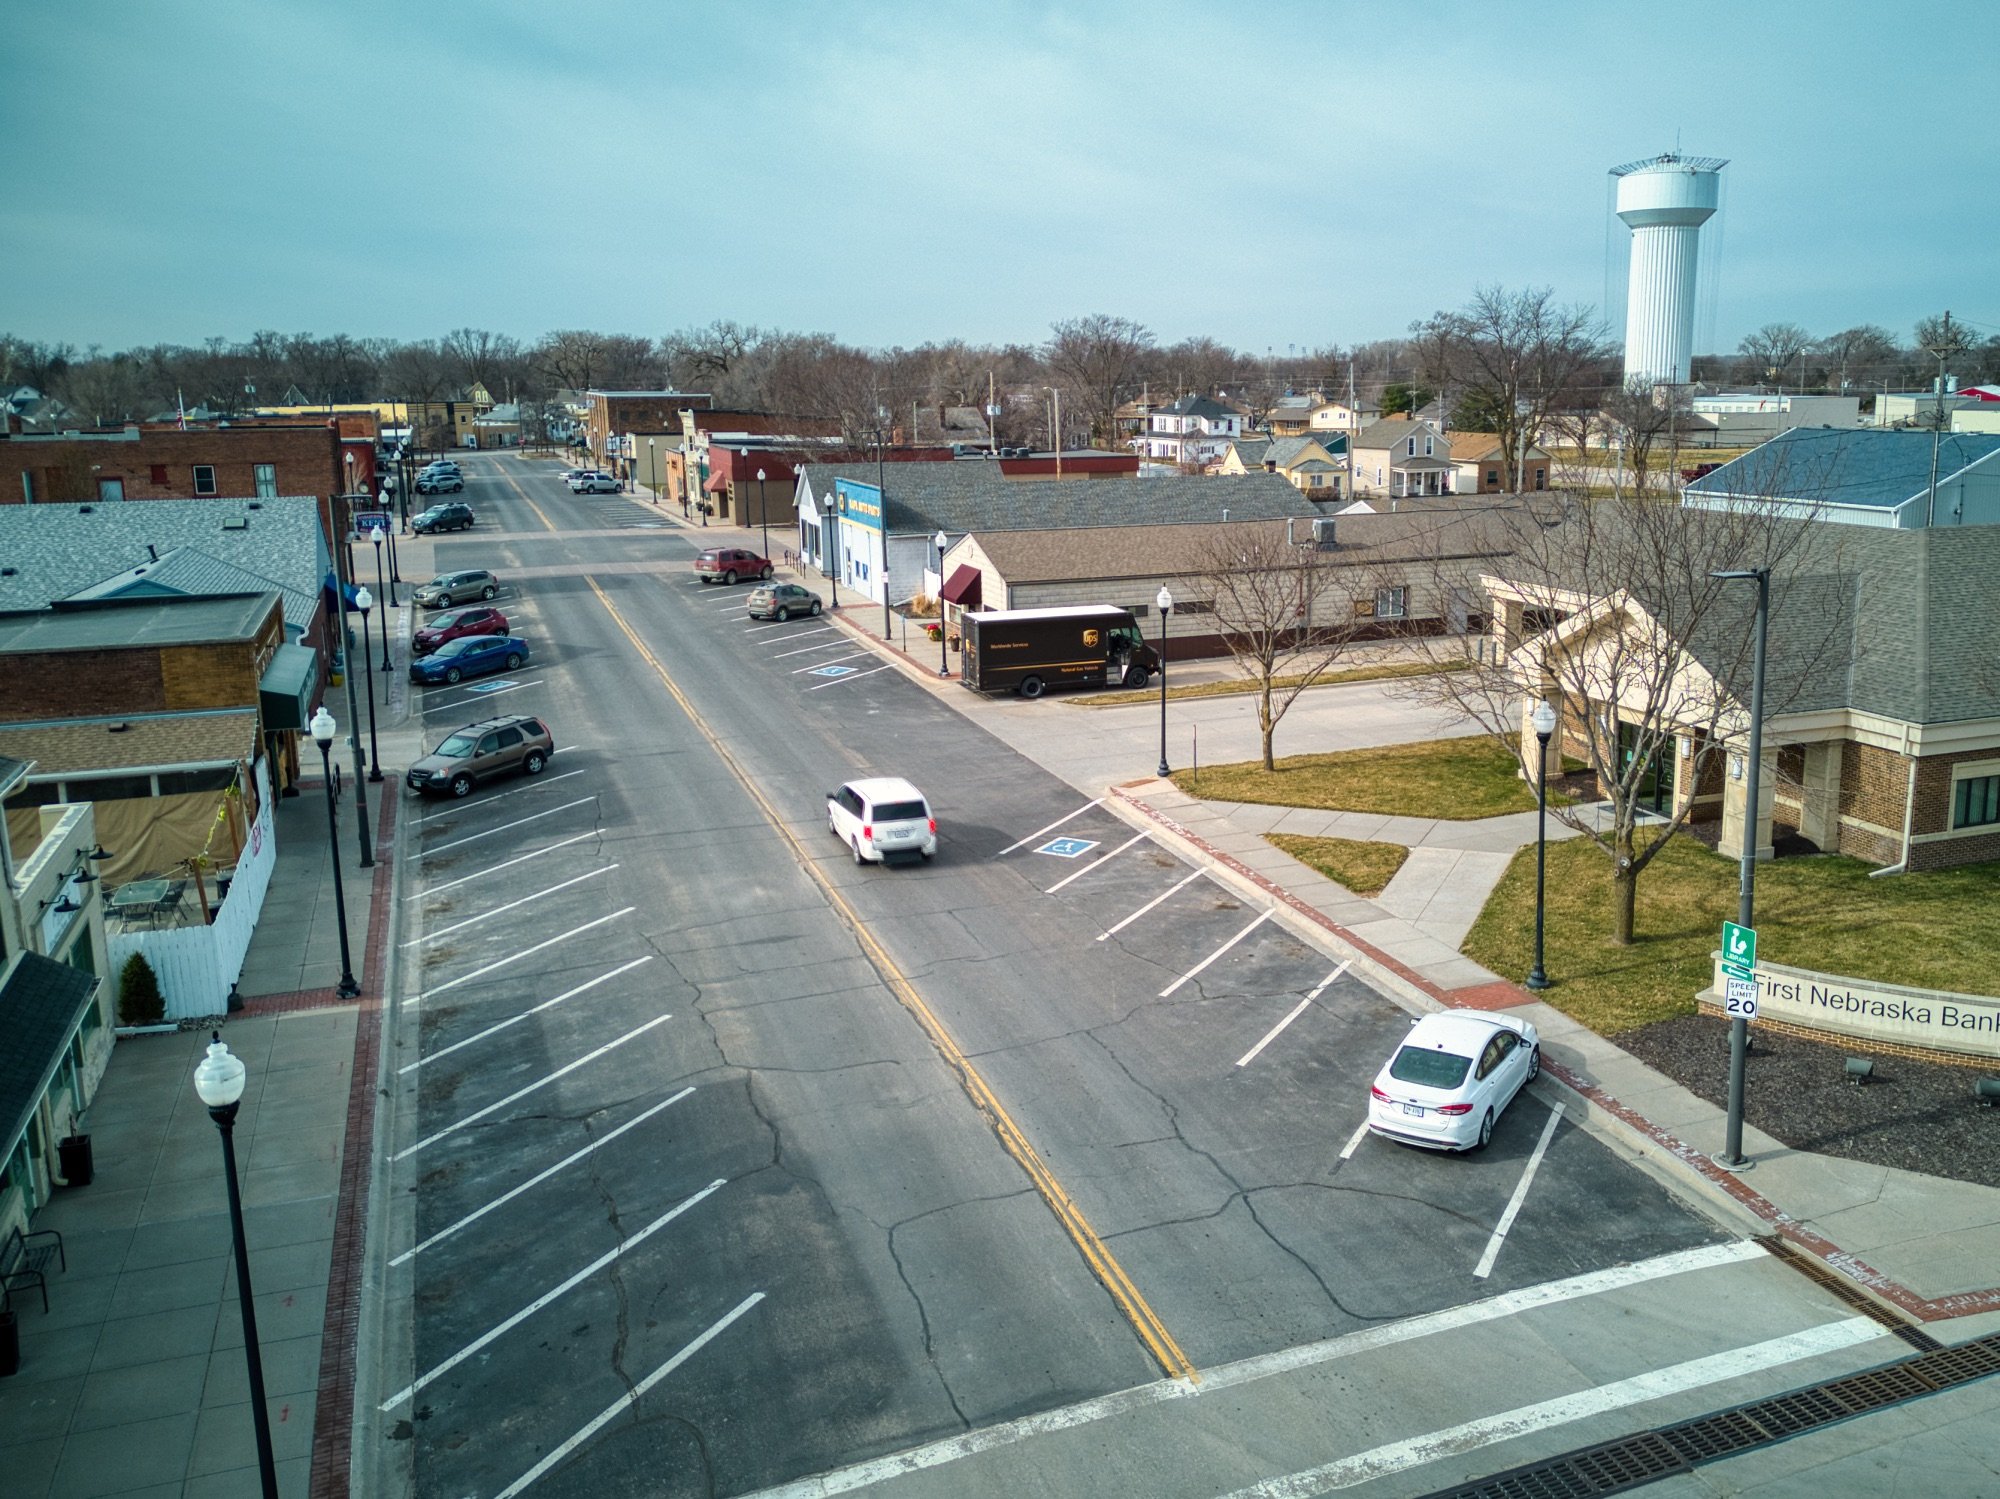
(480,751)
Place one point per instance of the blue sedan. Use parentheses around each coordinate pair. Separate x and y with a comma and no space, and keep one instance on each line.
(469,656)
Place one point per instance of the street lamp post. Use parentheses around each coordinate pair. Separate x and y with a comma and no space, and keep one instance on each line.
(322,732)
(364,601)
(347,677)
(218,1083)
(653,468)
(375,534)
(395,572)
(1746,897)
(1165,601)
(944,660)
(1544,721)
(763,516)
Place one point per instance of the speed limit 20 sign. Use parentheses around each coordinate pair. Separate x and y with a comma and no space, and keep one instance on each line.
(1739,998)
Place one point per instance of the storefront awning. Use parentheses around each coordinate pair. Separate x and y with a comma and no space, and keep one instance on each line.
(288,686)
(715,483)
(44,1002)
(962,588)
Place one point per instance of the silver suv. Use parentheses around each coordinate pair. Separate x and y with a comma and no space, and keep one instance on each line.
(447,589)
(480,751)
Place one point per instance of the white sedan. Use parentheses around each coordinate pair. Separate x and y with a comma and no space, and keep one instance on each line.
(1454,1074)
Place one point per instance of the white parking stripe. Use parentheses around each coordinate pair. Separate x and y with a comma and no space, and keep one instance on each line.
(1261,1367)
(459,926)
(793,632)
(459,811)
(1278,1029)
(1654,1384)
(843,681)
(527,952)
(1262,917)
(799,671)
(546,1004)
(549,1295)
(496,868)
(629,1398)
(1354,1141)
(520,1093)
(538,1178)
(1095,863)
(517,822)
(1147,906)
(1051,827)
(478,697)
(807,650)
(1520,1195)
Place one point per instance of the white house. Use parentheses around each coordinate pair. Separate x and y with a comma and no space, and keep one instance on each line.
(1194,430)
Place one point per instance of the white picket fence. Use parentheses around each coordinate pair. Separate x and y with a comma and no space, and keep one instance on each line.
(196,965)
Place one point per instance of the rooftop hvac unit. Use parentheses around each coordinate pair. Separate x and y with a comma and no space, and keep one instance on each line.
(1323,533)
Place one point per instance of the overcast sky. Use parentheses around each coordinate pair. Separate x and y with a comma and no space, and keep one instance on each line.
(1268,174)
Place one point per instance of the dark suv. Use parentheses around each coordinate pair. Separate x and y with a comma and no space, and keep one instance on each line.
(482,750)
(727,564)
(452,517)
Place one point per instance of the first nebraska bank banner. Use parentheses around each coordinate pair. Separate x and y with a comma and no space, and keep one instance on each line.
(1964,1023)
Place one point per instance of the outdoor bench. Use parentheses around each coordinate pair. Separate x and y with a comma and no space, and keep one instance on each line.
(22,1256)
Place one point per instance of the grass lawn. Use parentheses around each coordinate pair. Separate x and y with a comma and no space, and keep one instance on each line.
(1932,931)
(1364,868)
(1462,780)
(1238,687)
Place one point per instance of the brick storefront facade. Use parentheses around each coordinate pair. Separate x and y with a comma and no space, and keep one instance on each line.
(248,461)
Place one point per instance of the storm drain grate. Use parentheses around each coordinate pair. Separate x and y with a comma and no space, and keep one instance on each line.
(1630,1462)
(1846,1290)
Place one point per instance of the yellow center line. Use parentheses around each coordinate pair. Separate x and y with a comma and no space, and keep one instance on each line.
(514,484)
(1152,1331)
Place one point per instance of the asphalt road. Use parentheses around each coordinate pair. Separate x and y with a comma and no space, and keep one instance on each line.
(726,1163)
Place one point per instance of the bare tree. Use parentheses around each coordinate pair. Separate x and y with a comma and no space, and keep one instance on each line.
(1283,610)
(1857,353)
(1773,348)
(1521,353)
(572,358)
(418,371)
(1611,611)
(1097,358)
(479,357)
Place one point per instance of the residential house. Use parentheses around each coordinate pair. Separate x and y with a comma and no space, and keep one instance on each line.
(1192,432)
(1345,416)
(58,1006)
(1881,737)
(1480,465)
(1399,457)
(1315,466)
(1861,477)
(1291,415)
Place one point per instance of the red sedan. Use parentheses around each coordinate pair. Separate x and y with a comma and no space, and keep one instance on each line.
(456,623)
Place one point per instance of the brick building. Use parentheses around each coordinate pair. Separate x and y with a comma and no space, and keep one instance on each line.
(252,460)
(611,417)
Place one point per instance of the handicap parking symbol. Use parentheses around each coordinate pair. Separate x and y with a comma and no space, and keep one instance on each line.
(489,686)
(1068,848)
(832,671)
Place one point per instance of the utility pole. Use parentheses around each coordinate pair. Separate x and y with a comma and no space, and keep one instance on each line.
(1941,348)
(992,419)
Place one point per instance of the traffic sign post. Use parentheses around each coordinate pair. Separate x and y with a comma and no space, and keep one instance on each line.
(1739,950)
(1739,998)
(1739,1003)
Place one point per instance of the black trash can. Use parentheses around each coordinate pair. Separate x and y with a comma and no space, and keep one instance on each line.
(73,1153)
(10,1342)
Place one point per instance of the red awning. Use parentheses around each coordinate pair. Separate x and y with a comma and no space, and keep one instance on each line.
(715,483)
(963,587)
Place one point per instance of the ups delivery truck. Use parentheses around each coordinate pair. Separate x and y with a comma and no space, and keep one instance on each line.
(1031,650)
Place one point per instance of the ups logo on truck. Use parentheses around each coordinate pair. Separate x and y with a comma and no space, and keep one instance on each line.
(1092,637)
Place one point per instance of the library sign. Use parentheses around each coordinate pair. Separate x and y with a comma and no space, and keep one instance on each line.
(1964,1023)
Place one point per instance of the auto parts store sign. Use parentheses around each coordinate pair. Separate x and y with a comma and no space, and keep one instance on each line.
(1965,1023)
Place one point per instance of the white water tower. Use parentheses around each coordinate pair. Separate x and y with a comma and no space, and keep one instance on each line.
(1664,201)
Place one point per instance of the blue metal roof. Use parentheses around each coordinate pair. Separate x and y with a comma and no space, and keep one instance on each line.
(1876,468)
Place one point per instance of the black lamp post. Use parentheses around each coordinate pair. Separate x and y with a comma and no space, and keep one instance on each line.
(653,469)
(365,601)
(375,534)
(395,572)
(218,1083)
(1165,601)
(763,516)
(944,661)
(1544,721)
(322,732)
(1746,898)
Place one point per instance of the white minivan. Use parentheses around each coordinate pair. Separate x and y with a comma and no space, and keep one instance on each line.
(881,819)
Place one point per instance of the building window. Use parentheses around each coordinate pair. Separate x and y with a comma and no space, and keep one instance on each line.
(1975,802)
(1390,602)
(1493,476)
(28,486)
(1193,606)
(1541,478)
(204,479)
(111,489)
(159,476)
(267,481)
(1410,448)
